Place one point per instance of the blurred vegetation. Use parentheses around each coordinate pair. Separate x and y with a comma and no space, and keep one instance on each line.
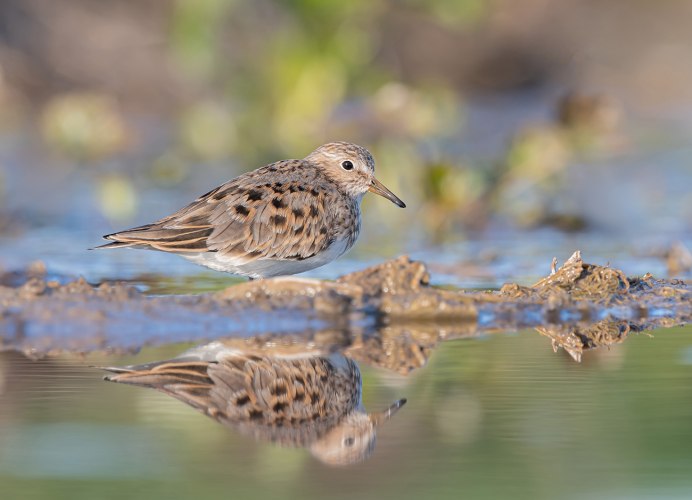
(159,94)
(84,126)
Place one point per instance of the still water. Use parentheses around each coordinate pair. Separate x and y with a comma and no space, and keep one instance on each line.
(496,416)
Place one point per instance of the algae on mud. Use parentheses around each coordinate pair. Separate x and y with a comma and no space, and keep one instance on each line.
(42,316)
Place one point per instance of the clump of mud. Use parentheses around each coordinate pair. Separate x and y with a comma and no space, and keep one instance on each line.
(579,281)
(17,278)
(379,308)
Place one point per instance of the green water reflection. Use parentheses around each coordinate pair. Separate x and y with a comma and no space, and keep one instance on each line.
(489,417)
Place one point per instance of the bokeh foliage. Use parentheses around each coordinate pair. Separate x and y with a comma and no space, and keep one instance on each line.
(229,85)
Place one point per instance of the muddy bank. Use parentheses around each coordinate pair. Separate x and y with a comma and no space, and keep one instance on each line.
(41,316)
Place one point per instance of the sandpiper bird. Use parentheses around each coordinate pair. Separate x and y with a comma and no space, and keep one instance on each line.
(302,400)
(284,218)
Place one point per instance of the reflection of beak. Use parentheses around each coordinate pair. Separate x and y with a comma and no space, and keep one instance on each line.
(383,416)
(378,188)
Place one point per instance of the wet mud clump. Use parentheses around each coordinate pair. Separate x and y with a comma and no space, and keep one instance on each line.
(589,292)
(377,308)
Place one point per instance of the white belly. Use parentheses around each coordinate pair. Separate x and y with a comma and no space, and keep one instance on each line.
(267,268)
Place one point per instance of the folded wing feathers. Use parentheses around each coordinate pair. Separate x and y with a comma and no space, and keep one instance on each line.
(242,229)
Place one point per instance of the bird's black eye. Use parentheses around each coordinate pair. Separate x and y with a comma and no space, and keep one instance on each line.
(347,165)
(349,440)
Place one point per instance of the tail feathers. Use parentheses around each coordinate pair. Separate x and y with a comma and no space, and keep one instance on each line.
(119,244)
(185,239)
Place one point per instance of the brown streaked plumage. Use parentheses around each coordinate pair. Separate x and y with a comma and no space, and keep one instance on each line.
(284,218)
(312,401)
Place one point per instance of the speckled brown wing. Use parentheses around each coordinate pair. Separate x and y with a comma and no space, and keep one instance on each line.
(253,216)
(275,219)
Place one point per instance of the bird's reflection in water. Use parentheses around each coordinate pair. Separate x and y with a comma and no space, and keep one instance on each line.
(307,400)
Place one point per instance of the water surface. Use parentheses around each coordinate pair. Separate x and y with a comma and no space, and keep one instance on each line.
(496,416)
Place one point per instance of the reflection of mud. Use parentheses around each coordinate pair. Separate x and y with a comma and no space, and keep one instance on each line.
(294,399)
(575,339)
(404,348)
(40,316)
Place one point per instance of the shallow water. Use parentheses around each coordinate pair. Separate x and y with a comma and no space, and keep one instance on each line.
(493,416)
(496,416)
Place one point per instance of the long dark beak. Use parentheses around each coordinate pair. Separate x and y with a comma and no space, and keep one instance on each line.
(383,416)
(378,188)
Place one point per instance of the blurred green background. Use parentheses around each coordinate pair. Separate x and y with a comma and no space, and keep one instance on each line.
(481,114)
